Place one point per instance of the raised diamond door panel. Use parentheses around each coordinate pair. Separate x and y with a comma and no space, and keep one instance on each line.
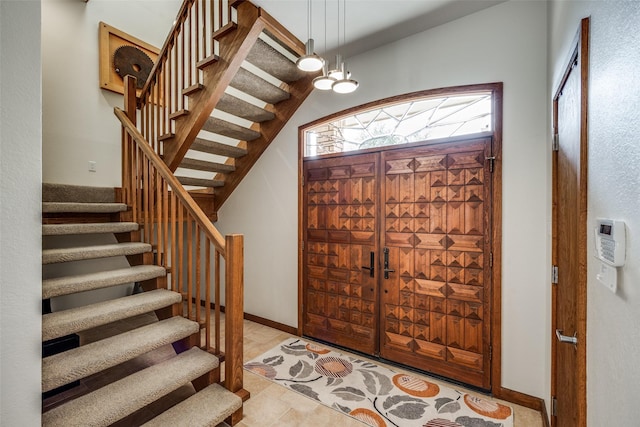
(340,296)
(434,306)
(426,211)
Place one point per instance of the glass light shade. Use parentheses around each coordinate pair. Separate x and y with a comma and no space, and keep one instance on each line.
(337,72)
(345,86)
(323,82)
(310,62)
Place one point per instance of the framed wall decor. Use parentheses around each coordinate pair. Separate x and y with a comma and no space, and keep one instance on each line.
(122,54)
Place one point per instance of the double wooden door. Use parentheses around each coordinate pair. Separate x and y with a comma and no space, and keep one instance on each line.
(397,255)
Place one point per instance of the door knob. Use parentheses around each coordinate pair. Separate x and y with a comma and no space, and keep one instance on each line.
(566,338)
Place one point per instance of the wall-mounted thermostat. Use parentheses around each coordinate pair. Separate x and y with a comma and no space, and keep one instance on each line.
(611,241)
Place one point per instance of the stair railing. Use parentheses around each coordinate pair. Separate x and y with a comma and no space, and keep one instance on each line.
(189,47)
(185,242)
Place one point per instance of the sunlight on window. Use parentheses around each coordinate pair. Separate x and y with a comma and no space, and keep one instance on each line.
(418,120)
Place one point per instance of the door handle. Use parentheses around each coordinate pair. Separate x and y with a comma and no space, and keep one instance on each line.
(372,262)
(386,270)
(566,338)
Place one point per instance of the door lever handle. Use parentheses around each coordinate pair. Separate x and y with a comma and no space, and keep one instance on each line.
(387,270)
(371,267)
(566,338)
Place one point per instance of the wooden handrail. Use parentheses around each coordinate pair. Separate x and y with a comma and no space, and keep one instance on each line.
(192,207)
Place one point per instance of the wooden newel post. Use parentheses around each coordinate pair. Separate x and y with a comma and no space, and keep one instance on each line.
(130,98)
(234,311)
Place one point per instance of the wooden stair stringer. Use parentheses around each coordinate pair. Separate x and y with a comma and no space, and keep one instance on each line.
(269,130)
(234,48)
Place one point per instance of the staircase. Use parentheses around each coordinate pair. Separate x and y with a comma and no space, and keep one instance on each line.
(219,94)
(73,216)
(223,86)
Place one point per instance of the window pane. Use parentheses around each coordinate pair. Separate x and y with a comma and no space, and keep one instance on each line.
(417,120)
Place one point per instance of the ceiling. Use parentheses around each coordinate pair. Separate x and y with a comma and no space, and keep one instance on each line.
(369,23)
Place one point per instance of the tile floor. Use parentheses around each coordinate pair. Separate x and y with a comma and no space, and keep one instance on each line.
(270,405)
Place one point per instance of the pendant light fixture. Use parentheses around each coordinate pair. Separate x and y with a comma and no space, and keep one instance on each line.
(344,83)
(310,62)
(325,81)
(336,73)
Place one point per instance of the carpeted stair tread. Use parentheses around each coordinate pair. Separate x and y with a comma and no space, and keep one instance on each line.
(203,165)
(52,256)
(213,147)
(240,108)
(208,407)
(113,402)
(77,193)
(273,62)
(74,207)
(78,363)
(248,82)
(103,279)
(105,227)
(61,323)
(200,182)
(232,130)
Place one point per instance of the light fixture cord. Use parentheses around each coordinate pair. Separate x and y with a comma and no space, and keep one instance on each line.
(344,23)
(325,26)
(309,18)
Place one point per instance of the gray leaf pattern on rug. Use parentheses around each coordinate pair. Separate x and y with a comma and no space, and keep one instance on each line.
(405,407)
(306,390)
(446,405)
(376,383)
(374,394)
(349,393)
(475,422)
(301,369)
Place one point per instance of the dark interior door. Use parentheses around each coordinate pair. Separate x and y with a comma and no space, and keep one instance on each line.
(569,234)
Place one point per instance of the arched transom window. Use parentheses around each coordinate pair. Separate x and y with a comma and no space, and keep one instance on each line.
(425,118)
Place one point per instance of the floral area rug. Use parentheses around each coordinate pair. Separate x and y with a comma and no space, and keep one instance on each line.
(373,394)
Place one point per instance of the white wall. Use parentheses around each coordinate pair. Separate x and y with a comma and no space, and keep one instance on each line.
(20,231)
(505,43)
(613,336)
(78,124)
(78,121)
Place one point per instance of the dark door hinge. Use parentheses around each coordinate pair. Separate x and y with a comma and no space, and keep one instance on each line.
(492,161)
(554,406)
(556,142)
(490,259)
(554,274)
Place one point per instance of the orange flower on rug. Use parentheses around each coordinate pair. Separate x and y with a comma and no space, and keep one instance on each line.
(374,394)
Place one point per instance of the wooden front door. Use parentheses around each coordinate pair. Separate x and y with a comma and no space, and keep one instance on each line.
(435,304)
(397,255)
(340,293)
(569,248)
